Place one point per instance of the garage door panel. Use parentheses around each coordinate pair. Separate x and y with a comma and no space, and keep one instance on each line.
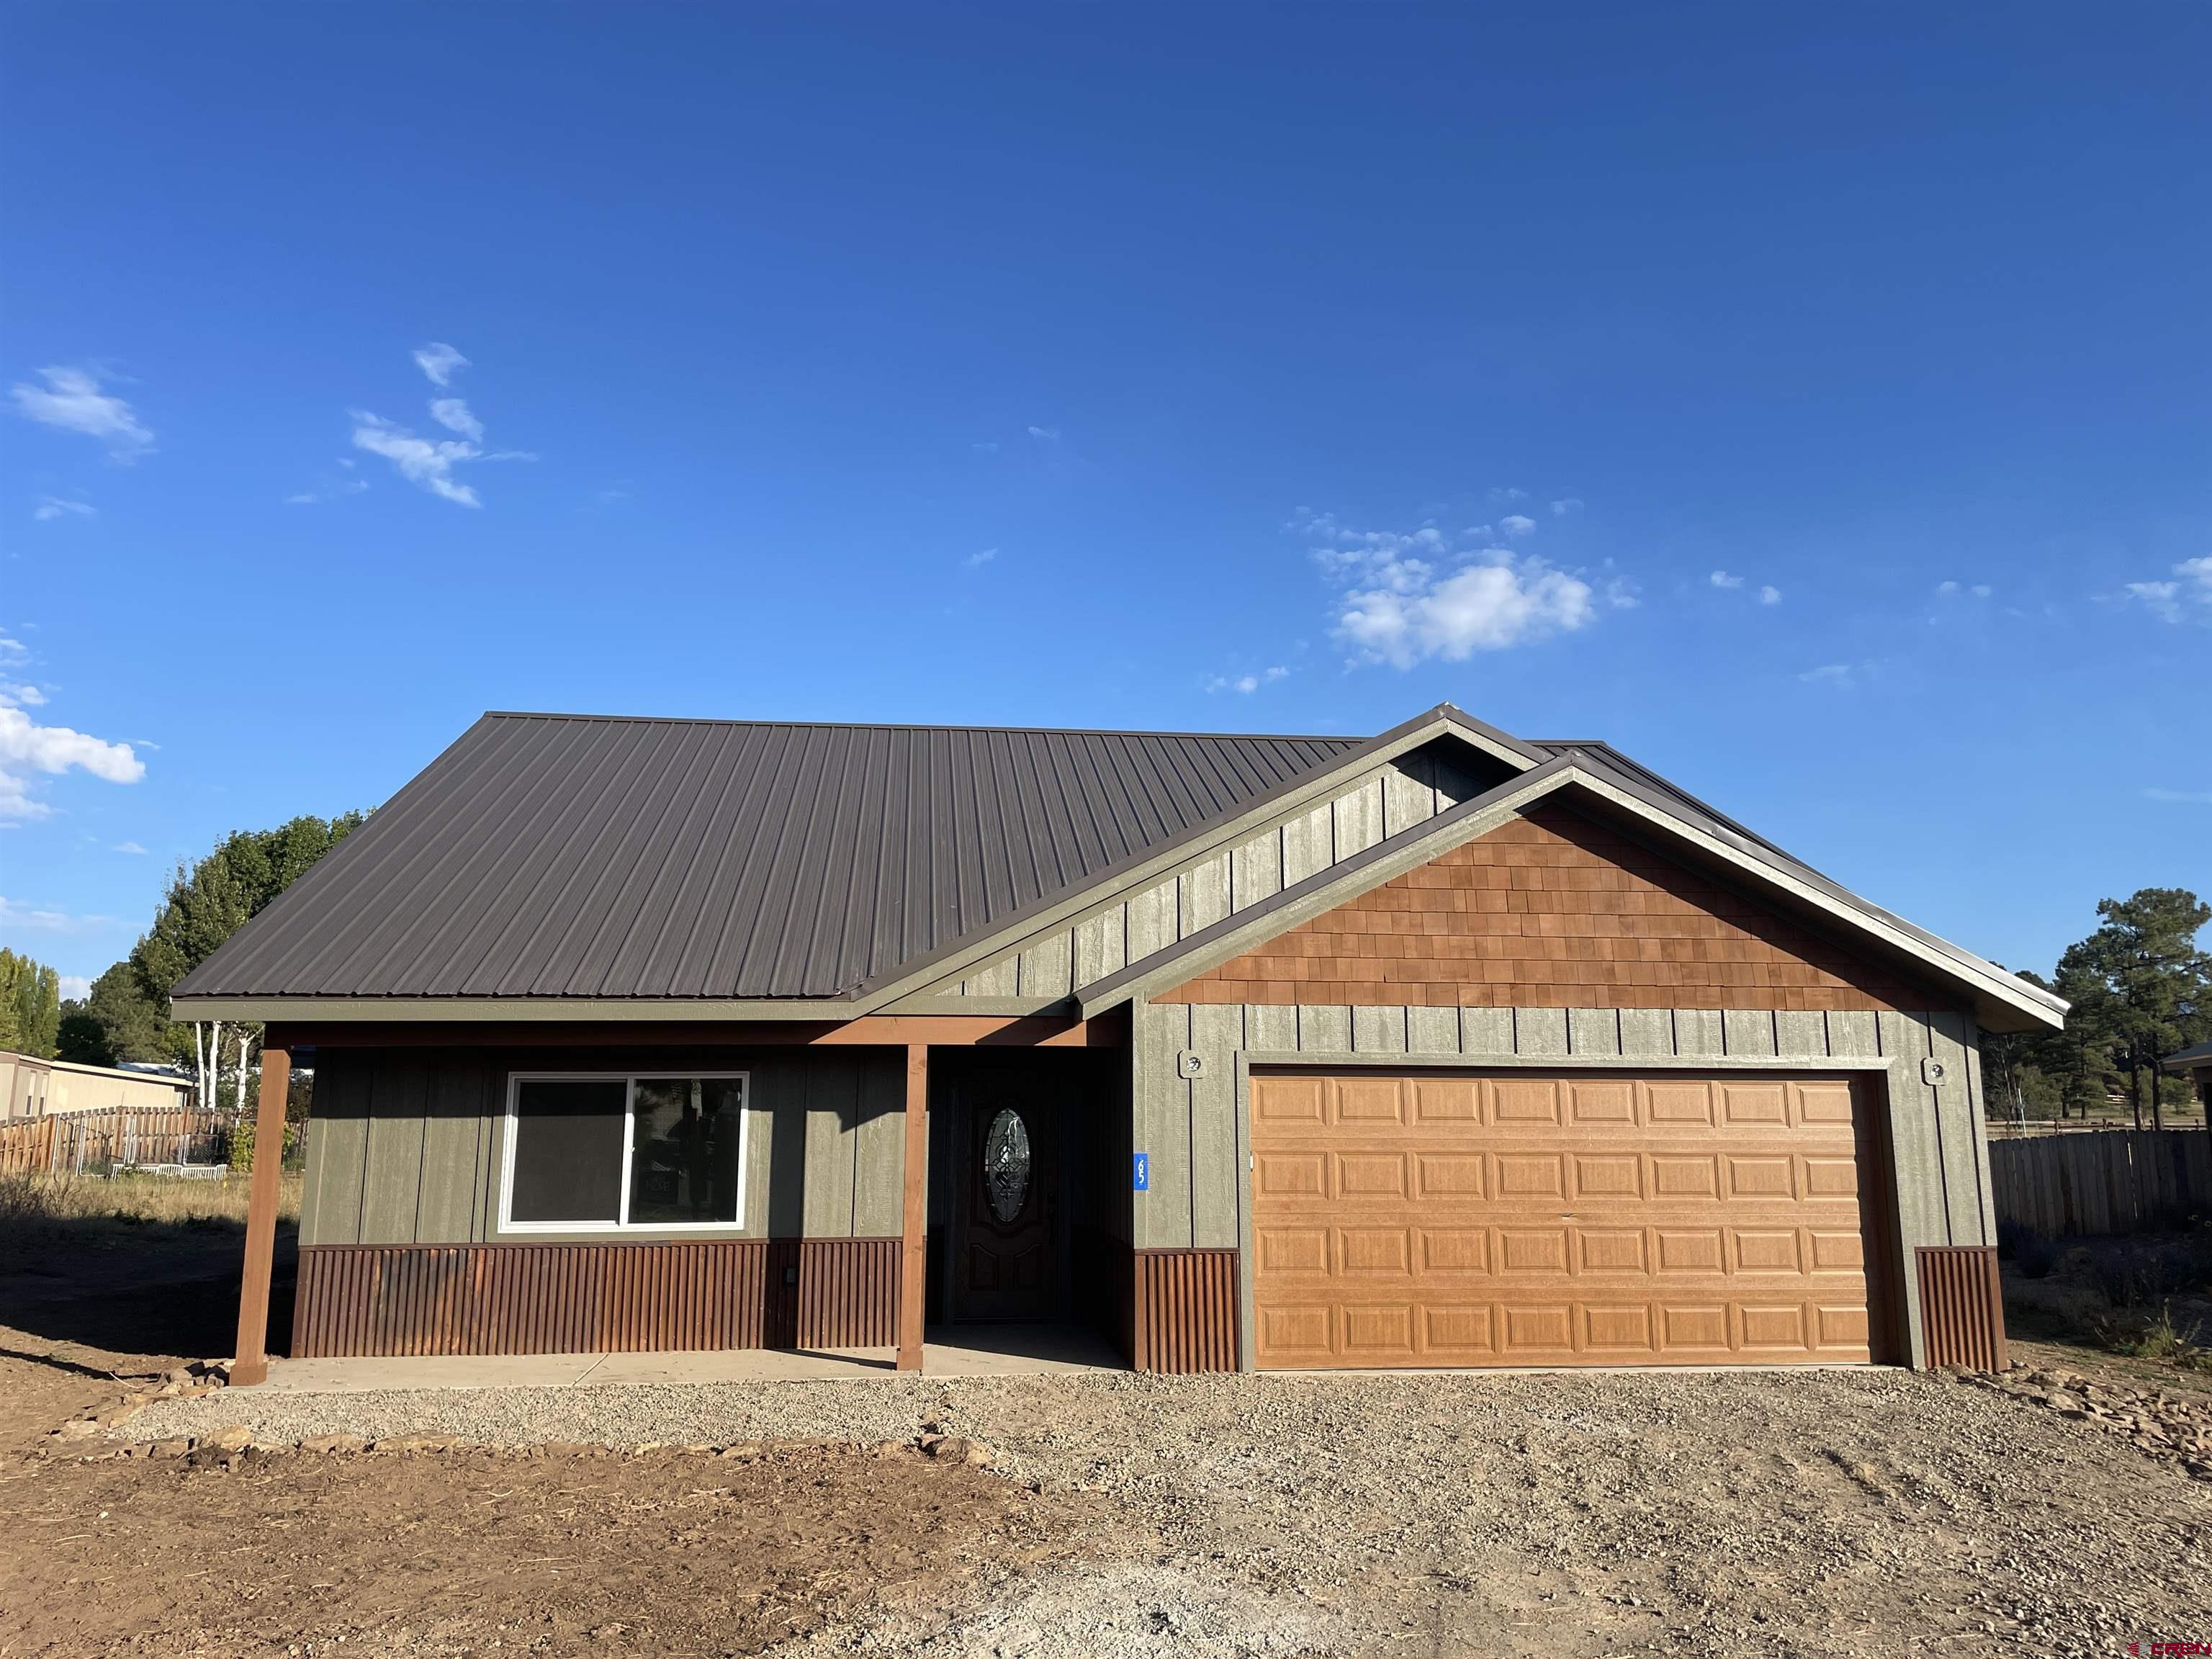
(1450,1175)
(1693,1328)
(1378,1334)
(1531,1175)
(1622,1331)
(1753,1104)
(1846,1327)
(1689,1250)
(1289,1175)
(1372,1250)
(1534,1329)
(1777,1326)
(1670,1105)
(1524,1100)
(1680,1177)
(1370,1100)
(1288,1100)
(1457,1335)
(1282,1250)
(1296,1335)
(1369,1175)
(1610,1251)
(1601,1103)
(1532,1250)
(1610,1175)
(1760,1177)
(1761,1250)
(1454,1251)
(1836,1252)
(1825,1103)
(1423,1219)
(1832,1177)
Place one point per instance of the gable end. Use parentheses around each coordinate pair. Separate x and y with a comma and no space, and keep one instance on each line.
(1555,910)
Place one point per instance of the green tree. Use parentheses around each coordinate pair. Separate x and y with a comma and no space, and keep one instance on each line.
(30,1005)
(83,1039)
(206,904)
(210,900)
(115,1020)
(2151,987)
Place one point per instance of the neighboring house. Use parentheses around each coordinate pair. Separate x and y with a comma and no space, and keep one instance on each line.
(37,1087)
(2195,1064)
(1439,1048)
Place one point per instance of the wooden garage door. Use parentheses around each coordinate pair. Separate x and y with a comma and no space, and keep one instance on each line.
(1443,1219)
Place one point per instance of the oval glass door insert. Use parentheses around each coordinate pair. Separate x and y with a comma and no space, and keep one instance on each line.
(1006,1164)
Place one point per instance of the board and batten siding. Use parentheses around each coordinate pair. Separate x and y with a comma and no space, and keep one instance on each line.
(1193,1132)
(1134,924)
(404,1147)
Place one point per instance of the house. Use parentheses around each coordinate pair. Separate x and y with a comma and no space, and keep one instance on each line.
(2194,1063)
(1441,1048)
(30,1087)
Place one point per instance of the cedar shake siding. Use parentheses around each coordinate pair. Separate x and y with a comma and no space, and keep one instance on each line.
(1553,910)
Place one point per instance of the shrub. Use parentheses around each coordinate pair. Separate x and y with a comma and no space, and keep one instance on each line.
(2035,1254)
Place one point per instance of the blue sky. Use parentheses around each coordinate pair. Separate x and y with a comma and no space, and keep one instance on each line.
(1812,403)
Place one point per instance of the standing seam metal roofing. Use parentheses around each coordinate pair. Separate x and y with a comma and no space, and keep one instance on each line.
(553,855)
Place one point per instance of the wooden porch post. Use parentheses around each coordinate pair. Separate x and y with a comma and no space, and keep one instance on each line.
(913,1233)
(252,1364)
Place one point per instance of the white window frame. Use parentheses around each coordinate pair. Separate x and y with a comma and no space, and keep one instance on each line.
(630,1081)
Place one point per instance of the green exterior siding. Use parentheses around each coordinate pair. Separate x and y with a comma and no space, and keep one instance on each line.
(404,1146)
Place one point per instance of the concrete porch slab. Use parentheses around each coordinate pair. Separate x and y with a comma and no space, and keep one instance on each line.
(954,1351)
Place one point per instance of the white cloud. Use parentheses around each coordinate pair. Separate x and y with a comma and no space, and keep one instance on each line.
(13,914)
(1980,589)
(984,447)
(130,846)
(1496,495)
(1770,596)
(2187,797)
(1407,596)
(974,561)
(53,750)
(1480,532)
(439,361)
(1046,433)
(1722,579)
(75,987)
(1245,684)
(2189,594)
(305,498)
(72,400)
(426,461)
(1837,674)
(50,508)
(1516,523)
(16,695)
(452,414)
(1566,505)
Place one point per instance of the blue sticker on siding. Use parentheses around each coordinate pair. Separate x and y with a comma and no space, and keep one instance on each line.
(1143,1172)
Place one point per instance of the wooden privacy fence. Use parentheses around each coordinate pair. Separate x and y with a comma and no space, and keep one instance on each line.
(88,1141)
(2123,1181)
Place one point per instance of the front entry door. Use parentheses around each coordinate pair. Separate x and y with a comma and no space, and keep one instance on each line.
(1006,1263)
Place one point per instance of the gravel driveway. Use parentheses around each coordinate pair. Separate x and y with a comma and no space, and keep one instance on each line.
(1816,1512)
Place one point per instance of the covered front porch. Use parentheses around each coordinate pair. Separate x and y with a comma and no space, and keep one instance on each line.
(929,1194)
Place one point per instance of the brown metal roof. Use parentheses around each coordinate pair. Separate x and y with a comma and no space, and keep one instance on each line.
(550,855)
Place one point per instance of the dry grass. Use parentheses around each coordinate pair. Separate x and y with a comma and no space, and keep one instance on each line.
(37,1206)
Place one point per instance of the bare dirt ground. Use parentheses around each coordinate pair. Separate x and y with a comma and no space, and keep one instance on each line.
(1814,1513)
